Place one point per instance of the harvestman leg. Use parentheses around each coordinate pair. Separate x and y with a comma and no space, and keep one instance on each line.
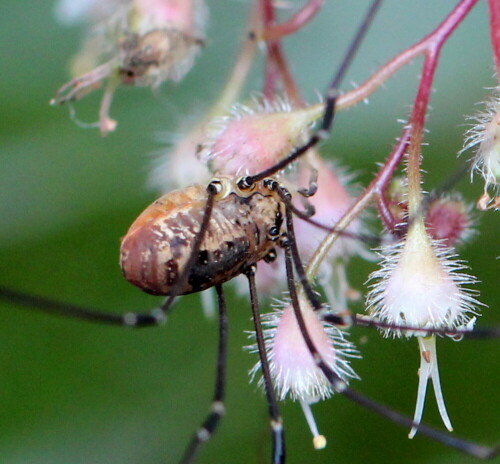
(132,319)
(340,386)
(209,425)
(476,332)
(278,456)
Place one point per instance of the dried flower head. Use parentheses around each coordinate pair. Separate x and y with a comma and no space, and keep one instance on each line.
(485,134)
(254,137)
(140,42)
(420,285)
(292,367)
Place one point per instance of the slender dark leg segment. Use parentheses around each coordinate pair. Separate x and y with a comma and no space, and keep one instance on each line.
(366,321)
(340,386)
(291,244)
(278,456)
(132,319)
(313,185)
(209,425)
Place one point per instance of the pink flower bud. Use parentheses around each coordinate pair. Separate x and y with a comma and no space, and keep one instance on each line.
(448,220)
(292,367)
(255,137)
(419,285)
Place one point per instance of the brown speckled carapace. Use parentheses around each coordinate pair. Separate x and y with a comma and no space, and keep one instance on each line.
(242,230)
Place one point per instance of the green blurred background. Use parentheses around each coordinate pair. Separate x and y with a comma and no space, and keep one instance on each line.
(76,393)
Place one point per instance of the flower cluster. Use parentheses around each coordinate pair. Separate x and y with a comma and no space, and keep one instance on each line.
(419,285)
(420,289)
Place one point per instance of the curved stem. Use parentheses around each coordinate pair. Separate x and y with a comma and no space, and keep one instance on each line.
(297,21)
(494,8)
(373,190)
(276,66)
(438,36)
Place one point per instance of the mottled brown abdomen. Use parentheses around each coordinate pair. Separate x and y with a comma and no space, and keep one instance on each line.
(159,243)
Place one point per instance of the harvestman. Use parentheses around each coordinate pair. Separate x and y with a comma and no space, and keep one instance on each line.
(199,237)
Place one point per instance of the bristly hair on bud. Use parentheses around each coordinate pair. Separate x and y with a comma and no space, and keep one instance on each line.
(485,133)
(256,136)
(420,285)
(293,370)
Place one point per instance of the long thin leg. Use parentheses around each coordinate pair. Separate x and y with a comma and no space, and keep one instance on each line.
(340,386)
(132,319)
(278,456)
(291,244)
(367,321)
(209,425)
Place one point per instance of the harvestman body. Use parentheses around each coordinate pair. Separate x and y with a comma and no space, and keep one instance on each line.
(242,230)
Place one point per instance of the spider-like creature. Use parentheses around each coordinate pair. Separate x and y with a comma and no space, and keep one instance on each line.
(201,236)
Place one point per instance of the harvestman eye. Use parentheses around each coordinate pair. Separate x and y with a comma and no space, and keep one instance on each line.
(245,183)
(273,233)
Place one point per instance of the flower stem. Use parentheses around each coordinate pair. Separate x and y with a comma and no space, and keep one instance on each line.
(298,20)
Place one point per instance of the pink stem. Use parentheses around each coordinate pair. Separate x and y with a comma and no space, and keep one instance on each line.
(379,184)
(298,20)
(276,64)
(375,189)
(385,214)
(438,36)
(494,7)
(417,118)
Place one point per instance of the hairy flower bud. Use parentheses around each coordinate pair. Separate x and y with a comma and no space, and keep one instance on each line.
(292,366)
(419,285)
(255,137)
(448,220)
(485,134)
(331,200)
